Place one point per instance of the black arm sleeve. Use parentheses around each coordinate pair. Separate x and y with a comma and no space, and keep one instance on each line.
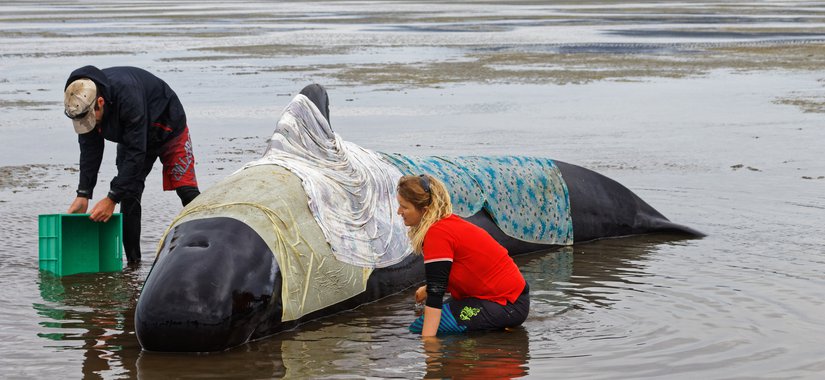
(133,117)
(438,272)
(91,155)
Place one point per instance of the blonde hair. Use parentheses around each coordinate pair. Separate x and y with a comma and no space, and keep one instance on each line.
(435,204)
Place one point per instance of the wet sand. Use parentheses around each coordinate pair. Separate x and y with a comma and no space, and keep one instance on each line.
(710,111)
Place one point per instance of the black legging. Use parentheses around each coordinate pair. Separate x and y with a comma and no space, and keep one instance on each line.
(487,315)
(131,209)
(132,212)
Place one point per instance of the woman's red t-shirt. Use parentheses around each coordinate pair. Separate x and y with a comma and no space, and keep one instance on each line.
(481,267)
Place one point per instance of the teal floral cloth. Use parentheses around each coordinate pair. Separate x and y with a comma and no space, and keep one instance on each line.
(526,196)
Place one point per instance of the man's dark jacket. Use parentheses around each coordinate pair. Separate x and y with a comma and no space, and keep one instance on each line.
(141,113)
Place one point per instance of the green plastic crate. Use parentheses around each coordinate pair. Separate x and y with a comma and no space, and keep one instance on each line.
(73,243)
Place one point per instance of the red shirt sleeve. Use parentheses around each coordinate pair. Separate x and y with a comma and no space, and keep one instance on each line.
(439,244)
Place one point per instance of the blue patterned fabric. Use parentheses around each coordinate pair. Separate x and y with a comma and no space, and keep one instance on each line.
(447,325)
(526,196)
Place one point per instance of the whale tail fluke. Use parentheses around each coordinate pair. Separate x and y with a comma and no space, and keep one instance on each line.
(666,226)
(604,208)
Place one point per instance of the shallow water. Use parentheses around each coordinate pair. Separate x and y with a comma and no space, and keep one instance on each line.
(722,145)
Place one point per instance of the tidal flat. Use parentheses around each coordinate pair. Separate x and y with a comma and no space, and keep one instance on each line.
(711,111)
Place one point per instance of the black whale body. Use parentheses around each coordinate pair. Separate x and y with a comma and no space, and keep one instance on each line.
(218,285)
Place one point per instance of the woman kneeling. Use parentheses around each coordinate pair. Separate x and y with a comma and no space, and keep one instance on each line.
(488,291)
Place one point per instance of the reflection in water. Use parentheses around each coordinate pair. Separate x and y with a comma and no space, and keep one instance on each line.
(94,313)
(591,273)
(605,267)
(491,355)
(371,340)
(249,361)
(548,273)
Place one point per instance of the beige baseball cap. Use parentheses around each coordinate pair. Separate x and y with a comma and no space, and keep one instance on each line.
(78,102)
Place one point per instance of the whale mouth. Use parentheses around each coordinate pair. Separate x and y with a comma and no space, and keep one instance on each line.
(211,288)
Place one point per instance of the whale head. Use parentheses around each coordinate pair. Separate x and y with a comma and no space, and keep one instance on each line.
(214,286)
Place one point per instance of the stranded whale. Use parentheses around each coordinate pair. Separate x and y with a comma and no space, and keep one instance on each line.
(310,229)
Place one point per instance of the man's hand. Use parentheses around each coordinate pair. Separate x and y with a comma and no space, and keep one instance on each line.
(103,210)
(421,294)
(79,206)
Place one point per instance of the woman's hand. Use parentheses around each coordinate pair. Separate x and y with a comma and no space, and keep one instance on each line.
(421,294)
(420,297)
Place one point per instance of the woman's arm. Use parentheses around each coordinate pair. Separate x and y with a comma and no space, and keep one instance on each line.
(437,273)
(438,261)
(432,317)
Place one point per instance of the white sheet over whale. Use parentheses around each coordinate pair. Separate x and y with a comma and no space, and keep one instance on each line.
(351,190)
(324,207)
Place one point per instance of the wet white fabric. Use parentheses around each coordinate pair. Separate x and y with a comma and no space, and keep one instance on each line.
(351,190)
